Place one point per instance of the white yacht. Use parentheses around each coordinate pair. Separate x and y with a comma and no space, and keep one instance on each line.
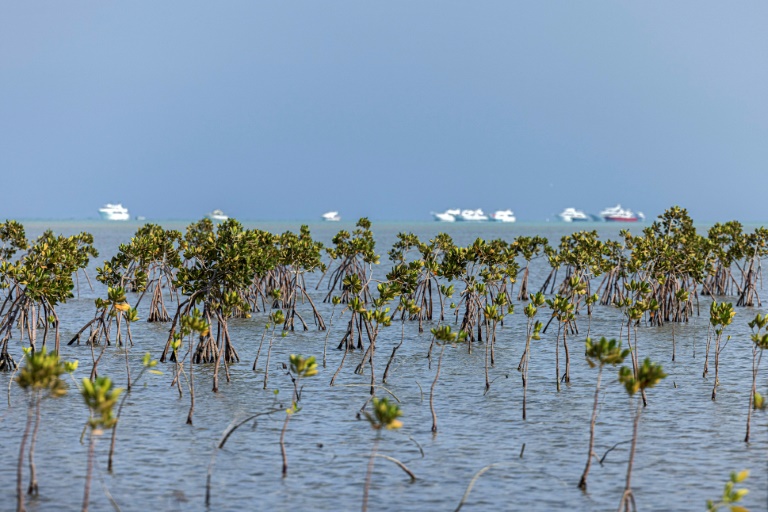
(619,214)
(472,216)
(503,216)
(331,217)
(446,216)
(114,212)
(573,215)
(217,215)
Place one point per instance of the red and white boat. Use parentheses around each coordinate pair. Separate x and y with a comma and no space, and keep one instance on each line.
(619,214)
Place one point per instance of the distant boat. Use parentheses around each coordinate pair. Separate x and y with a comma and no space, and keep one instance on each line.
(217,215)
(114,212)
(619,214)
(446,216)
(331,217)
(472,216)
(503,216)
(140,217)
(573,215)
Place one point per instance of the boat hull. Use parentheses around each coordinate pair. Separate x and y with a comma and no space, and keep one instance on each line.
(114,216)
(621,219)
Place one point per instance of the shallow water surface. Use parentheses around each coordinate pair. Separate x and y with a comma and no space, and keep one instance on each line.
(687,444)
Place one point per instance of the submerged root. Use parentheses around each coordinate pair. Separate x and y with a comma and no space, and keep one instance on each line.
(7,363)
(206,351)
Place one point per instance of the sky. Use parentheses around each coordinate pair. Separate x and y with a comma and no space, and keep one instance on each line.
(285,110)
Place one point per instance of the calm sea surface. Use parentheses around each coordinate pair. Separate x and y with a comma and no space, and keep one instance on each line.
(687,444)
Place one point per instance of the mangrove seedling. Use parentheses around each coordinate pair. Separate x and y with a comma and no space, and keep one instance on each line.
(275,295)
(300,367)
(277,318)
(563,310)
(100,397)
(40,378)
(532,332)
(357,310)
(682,297)
(385,416)
(493,314)
(648,375)
(528,248)
(720,316)
(446,293)
(336,301)
(731,495)
(755,249)
(599,354)
(443,335)
(759,344)
(191,324)
(635,305)
(376,318)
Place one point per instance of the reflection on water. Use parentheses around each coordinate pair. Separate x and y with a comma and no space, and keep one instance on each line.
(688,444)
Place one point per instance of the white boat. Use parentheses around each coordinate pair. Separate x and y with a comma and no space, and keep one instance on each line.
(331,217)
(217,215)
(472,216)
(446,216)
(573,215)
(619,214)
(114,212)
(503,216)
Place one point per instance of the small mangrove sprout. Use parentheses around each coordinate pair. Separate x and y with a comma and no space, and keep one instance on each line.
(720,316)
(300,367)
(40,378)
(648,375)
(191,324)
(443,336)
(532,332)
(100,397)
(384,416)
(599,354)
(731,495)
(562,310)
(759,344)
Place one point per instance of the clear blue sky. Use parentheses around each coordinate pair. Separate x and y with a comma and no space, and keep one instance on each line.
(284,110)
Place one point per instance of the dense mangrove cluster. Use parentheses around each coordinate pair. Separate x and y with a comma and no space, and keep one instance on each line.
(460,297)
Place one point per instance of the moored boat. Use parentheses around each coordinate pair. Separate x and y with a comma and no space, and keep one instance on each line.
(619,214)
(217,215)
(114,212)
(446,216)
(503,216)
(331,217)
(573,215)
(472,216)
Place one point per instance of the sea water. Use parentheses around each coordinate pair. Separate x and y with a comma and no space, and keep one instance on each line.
(687,444)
